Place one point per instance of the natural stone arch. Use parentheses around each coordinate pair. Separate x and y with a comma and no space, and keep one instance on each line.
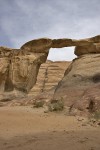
(22,66)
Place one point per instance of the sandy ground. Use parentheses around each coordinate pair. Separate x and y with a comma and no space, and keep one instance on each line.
(25,128)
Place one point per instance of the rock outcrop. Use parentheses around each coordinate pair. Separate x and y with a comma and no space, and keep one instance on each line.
(50,73)
(81,80)
(81,50)
(19,69)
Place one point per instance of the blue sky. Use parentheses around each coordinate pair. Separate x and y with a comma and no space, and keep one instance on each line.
(24,20)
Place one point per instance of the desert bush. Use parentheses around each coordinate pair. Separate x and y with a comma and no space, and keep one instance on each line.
(96,115)
(38,103)
(56,105)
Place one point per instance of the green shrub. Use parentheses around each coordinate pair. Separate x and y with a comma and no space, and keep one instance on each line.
(96,115)
(56,105)
(38,104)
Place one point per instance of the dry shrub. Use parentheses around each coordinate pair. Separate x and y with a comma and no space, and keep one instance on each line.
(56,105)
(38,103)
(97,115)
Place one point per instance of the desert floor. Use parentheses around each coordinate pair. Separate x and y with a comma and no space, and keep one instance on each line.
(25,128)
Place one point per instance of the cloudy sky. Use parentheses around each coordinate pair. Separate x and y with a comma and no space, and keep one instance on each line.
(24,20)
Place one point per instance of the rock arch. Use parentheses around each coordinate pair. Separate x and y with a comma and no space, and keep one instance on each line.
(23,64)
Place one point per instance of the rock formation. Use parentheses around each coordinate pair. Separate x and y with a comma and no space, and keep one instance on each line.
(50,73)
(19,69)
(82,75)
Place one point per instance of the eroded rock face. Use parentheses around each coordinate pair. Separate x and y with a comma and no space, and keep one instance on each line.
(83,46)
(81,50)
(82,77)
(89,103)
(19,68)
(50,73)
(59,43)
(37,46)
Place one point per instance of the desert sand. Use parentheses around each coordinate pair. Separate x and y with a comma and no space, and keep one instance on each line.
(27,128)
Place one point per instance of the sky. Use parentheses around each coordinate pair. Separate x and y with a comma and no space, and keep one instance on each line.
(25,20)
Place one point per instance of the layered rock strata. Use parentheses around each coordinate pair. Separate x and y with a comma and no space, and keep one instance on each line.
(50,73)
(19,69)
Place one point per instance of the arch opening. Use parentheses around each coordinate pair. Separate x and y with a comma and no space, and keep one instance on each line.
(61,54)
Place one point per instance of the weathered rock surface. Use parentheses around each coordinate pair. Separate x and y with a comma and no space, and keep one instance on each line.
(50,73)
(59,43)
(88,103)
(19,70)
(81,50)
(37,46)
(81,77)
(83,46)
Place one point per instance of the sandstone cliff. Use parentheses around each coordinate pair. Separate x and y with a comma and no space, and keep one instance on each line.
(19,70)
(81,84)
(50,73)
